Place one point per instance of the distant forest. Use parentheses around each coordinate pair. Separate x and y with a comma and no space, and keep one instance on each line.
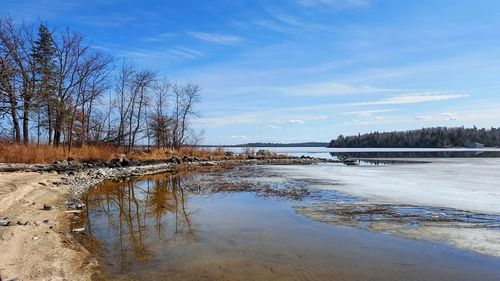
(422,138)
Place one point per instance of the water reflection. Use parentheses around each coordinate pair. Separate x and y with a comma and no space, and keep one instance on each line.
(183,227)
(153,209)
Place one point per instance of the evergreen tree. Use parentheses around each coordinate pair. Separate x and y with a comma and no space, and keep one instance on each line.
(45,69)
(426,137)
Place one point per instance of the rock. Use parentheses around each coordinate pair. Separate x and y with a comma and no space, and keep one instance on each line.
(350,162)
(265,152)
(47,207)
(4,223)
(78,229)
(175,160)
(187,159)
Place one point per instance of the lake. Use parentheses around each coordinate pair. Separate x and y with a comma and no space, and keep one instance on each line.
(435,220)
(328,153)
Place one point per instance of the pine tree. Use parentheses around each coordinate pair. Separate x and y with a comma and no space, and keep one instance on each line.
(45,68)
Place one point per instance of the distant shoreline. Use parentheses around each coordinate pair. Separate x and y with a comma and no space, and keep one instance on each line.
(261,144)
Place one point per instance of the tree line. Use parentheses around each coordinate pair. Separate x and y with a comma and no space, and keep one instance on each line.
(422,138)
(56,88)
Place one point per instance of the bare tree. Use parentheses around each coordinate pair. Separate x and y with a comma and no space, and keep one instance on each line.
(186,96)
(16,45)
(55,82)
(159,124)
(143,80)
(8,96)
(93,73)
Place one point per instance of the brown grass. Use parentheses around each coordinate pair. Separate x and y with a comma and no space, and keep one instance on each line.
(38,154)
(43,154)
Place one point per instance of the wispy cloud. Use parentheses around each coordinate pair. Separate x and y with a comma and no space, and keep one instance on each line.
(295,121)
(160,37)
(367,113)
(175,53)
(216,38)
(411,99)
(239,137)
(273,127)
(332,89)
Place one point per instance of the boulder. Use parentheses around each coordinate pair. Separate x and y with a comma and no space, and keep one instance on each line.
(174,159)
(265,152)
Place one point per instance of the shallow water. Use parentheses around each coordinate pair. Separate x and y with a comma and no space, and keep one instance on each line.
(176,228)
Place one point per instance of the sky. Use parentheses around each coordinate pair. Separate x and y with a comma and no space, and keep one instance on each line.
(303,70)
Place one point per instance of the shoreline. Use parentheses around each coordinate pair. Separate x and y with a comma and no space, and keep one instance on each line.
(55,232)
(39,201)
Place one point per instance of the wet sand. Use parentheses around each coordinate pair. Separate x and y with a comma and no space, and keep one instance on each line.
(178,228)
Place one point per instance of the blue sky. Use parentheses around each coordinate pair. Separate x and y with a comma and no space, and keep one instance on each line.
(304,70)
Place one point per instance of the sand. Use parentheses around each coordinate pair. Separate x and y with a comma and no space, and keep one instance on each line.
(44,248)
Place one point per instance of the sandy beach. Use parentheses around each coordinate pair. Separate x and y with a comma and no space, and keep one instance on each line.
(37,244)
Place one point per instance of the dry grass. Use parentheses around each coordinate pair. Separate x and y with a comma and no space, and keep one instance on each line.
(42,154)
(38,154)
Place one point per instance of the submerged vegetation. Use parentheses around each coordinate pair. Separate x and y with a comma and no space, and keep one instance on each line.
(422,138)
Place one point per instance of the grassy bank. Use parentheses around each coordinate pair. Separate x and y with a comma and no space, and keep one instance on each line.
(44,154)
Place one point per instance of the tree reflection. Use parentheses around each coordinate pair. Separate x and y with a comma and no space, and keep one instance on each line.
(139,214)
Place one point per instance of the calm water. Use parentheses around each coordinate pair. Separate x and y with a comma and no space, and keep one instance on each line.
(329,153)
(172,228)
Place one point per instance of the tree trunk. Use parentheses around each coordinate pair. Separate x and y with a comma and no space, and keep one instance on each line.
(26,119)
(15,120)
(57,130)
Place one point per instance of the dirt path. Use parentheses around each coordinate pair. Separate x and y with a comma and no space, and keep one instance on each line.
(37,245)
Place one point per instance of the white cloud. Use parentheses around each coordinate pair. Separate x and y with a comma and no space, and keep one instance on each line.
(331,89)
(367,113)
(411,99)
(160,37)
(295,121)
(175,53)
(273,127)
(216,38)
